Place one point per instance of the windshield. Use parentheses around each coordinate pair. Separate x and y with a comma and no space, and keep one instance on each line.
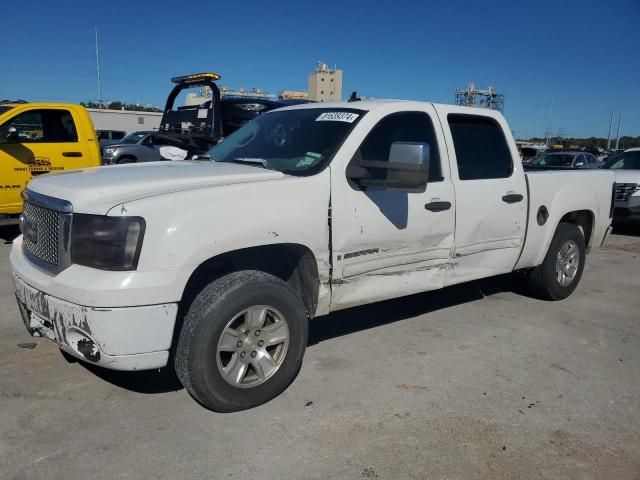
(625,161)
(292,141)
(4,109)
(554,160)
(134,137)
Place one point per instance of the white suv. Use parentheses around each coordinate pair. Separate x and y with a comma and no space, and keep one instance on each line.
(626,166)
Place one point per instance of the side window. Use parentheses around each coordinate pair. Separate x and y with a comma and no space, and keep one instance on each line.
(593,161)
(402,127)
(45,126)
(481,148)
(580,159)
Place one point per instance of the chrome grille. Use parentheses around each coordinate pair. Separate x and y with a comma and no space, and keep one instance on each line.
(41,227)
(624,190)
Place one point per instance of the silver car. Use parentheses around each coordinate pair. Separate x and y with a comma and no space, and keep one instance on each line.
(566,159)
(135,147)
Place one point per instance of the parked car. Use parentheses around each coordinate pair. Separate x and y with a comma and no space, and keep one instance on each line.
(135,147)
(215,267)
(566,159)
(38,138)
(110,136)
(626,166)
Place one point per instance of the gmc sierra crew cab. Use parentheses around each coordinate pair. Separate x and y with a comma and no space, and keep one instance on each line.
(214,266)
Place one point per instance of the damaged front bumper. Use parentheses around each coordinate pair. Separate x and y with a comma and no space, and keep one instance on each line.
(124,338)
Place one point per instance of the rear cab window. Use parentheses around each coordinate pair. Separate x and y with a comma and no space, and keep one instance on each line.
(481,148)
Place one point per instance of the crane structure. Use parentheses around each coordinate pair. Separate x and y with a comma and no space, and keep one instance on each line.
(475,97)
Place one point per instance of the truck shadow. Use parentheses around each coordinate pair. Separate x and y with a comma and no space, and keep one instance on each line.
(147,382)
(335,325)
(626,229)
(356,319)
(8,233)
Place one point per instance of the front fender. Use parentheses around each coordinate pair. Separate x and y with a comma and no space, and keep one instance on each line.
(186,228)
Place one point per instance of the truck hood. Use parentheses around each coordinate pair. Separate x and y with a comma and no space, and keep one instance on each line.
(96,190)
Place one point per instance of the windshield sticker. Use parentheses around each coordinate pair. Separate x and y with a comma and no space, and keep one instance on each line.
(309,159)
(337,117)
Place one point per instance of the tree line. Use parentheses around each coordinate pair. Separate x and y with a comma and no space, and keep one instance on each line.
(117,105)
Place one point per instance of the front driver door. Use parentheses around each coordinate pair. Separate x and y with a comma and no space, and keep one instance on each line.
(47,141)
(387,243)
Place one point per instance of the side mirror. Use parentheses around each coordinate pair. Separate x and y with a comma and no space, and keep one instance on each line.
(579,165)
(406,170)
(9,134)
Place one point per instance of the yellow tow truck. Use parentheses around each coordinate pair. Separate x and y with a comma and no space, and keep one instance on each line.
(40,138)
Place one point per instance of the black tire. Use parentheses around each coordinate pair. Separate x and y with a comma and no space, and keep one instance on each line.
(126,159)
(543,281)
(213,308)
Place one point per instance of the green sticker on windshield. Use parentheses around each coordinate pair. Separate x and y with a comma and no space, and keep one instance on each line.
(309,159)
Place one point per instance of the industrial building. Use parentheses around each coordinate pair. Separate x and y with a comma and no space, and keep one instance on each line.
(325,84)
(293,95)
(124,120)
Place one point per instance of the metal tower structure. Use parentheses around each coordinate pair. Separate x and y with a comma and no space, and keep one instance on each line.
(475,97)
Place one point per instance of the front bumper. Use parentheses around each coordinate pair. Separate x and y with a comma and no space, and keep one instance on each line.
(125,338)
(108,158)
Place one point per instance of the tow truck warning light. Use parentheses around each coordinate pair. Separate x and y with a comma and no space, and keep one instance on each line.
(198,77)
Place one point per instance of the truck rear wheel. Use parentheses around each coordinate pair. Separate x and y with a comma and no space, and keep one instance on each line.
(559,274)
(242,341)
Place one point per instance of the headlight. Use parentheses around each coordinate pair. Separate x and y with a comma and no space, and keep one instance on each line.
(110,150)
(107,243)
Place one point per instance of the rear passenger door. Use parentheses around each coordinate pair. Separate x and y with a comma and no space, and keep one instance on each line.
(491,196)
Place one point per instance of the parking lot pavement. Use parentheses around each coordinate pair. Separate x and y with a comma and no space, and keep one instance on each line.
(475,381)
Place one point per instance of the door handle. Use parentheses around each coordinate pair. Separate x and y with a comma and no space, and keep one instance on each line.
(512,198)
(438,206)
(71,154)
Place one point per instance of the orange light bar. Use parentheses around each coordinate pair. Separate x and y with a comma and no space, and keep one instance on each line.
(197,77)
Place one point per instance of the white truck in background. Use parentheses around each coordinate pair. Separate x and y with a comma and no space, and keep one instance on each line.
(626,167)
(215,266)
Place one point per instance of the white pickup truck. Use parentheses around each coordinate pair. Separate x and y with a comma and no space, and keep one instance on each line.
(215,266)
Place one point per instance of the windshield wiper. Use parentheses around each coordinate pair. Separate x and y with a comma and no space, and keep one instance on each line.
(252,161)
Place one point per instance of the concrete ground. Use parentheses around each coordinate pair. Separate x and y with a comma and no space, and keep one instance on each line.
(475,381)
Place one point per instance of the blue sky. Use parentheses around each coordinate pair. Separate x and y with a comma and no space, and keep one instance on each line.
(578,59)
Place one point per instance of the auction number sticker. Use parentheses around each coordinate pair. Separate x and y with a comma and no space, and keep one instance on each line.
(337,117)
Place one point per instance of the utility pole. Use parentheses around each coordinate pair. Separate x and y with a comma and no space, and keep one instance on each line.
(618,134)
(609,137)
(98,69)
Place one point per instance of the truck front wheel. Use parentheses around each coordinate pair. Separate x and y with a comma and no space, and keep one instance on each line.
(560,272)
(242,341)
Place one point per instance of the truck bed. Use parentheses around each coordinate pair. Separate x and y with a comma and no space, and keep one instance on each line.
(581,190)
